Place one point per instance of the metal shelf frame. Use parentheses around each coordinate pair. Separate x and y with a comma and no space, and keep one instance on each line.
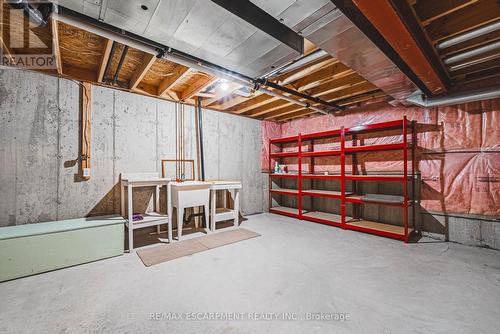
(349,135)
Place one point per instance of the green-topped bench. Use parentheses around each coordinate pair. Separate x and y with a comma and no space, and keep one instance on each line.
(36,248)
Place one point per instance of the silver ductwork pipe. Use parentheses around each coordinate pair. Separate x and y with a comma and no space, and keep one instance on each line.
(469,35)
(455,98)
(472,53)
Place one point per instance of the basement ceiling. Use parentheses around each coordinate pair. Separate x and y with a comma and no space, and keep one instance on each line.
(204,29)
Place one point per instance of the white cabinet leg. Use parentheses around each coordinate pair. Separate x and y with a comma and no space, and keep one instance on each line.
(180,216)
(157,205)
(213,209)
(236,207)
(207,220)
(169,212)
(122,199)
(130,219)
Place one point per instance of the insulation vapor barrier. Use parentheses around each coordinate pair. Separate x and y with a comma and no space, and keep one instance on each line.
(457,154)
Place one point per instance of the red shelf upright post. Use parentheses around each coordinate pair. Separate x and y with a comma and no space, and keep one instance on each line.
(299,179)
(405,181)
(342,177)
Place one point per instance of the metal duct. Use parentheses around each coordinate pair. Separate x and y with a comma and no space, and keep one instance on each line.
(469,35)
(337,35)
(456,98)
(472,53)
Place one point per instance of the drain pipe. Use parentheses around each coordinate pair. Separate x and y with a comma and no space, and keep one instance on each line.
(454,98)
(200,129)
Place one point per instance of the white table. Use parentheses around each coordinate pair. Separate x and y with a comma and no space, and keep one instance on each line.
(217,215)
(135,180)
(189,194)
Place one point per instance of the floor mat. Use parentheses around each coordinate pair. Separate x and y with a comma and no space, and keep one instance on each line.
(168,252)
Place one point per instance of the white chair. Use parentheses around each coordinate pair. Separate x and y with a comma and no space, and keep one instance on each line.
(187,195)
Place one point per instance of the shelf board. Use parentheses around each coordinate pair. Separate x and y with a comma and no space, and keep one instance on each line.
(389,200)
(377,127)
(321,176)
(321,153)
(320,135)
(285,139)
(150,219)
(378,147)
(285,210)
(285,191)
(376,177)
(322,193)
(288,175)
(285,154)
(387,230)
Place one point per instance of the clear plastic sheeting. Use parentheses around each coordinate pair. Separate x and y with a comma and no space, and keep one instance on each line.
(458,151)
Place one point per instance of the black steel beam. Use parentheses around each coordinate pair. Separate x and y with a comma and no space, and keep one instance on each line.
(299,94)
(349,9)
(265,22)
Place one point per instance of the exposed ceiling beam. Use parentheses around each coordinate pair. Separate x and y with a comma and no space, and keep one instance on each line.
(475,15)
(248,104)
(267,108)
(282,111)
(147,61)
(384,17)
(265,22)
(431,10)
(106,53)
(221,94)
(203,82)
(301,72)
(336,85)
(55,45)
(323,76)
(350,9)
(170,81)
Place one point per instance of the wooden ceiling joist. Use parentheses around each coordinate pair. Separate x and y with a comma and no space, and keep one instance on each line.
(221,94)
(431,10)
(144,74)
(147,61)
(324,76)
(249,104)
(106,53)
(474,16)
(55,46)
(203,82)
(179,72)
(301,72)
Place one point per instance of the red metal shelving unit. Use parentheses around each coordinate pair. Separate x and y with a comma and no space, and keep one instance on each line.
(356,223)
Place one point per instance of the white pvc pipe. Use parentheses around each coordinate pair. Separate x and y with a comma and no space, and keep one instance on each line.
(469,35)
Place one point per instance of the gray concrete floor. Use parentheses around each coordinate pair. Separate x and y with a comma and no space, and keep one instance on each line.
(385,286)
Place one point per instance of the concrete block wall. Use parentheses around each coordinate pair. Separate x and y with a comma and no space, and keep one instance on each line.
(39,122)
